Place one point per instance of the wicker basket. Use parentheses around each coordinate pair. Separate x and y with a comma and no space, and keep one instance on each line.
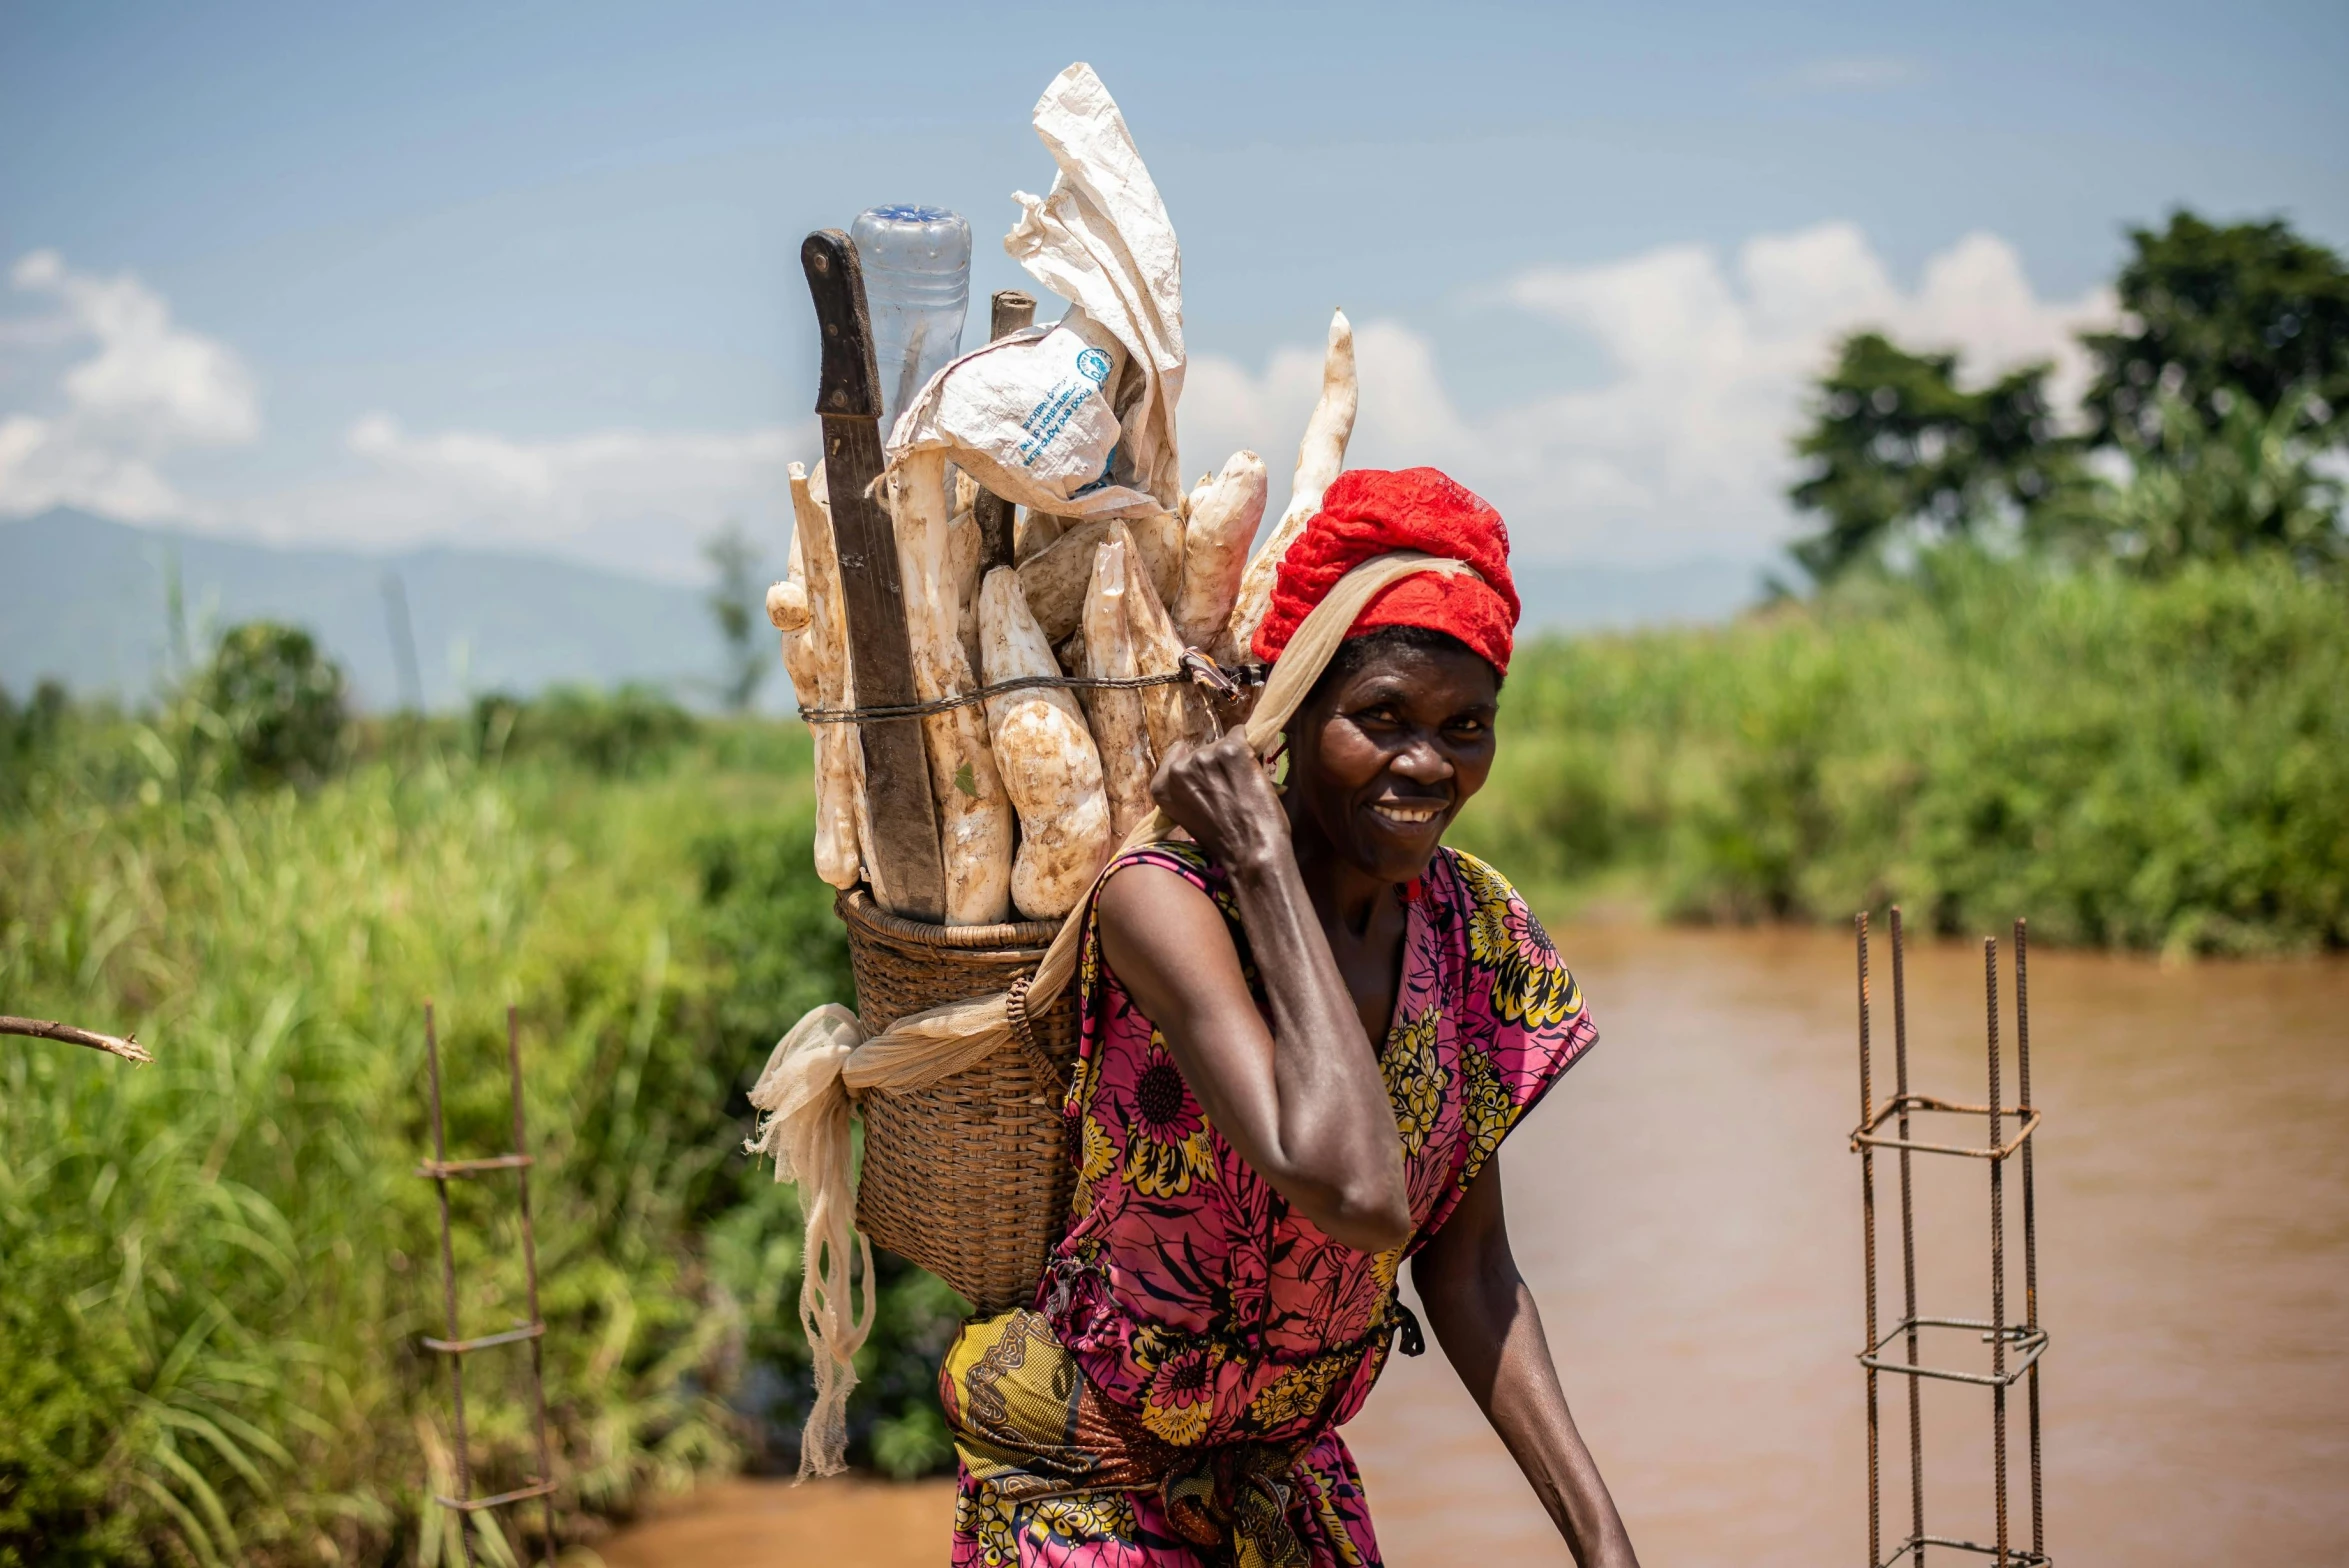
(970,1176)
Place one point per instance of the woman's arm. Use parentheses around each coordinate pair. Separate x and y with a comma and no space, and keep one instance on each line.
(1303,1101)
(1485,1319)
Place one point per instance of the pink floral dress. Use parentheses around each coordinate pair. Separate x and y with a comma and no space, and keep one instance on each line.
(1187,1292)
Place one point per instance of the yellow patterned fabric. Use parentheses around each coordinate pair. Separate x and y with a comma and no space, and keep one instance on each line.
(1045,1455)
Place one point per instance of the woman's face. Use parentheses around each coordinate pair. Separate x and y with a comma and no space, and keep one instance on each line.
(1383,759)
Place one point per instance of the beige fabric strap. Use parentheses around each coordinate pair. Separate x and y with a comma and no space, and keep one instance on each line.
(804,1125)
(826,1060)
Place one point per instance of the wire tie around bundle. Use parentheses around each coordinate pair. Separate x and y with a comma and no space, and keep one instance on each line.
(1196,667)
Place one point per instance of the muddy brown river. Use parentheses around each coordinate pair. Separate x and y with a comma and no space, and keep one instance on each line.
(1687,1211)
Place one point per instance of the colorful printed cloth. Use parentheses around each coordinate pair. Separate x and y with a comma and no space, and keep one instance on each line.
(1194,1314)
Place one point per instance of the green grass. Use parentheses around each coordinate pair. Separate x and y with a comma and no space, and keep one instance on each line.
(218,1267)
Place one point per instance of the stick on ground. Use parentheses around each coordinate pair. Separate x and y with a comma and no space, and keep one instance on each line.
(128,1047)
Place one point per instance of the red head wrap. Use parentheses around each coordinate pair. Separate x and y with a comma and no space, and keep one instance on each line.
(1368,512)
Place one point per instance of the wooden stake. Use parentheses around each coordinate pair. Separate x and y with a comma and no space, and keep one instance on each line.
(1012,311)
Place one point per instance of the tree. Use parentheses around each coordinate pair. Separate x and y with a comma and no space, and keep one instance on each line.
(2221,397)
(270,707)
(2247,483)
(2215,314)
(736,603)
(1896,445)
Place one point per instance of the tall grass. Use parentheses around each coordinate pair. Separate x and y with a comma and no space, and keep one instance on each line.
(2131,763)
(217,1268)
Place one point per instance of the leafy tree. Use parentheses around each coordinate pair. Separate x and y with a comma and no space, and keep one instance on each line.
(2215,314)
(2218,396)
(735,602)
(1895,444)
(2248,483)
(26,732)
(270,708)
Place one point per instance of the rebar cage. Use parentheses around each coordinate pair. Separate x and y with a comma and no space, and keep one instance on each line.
(2015,1348)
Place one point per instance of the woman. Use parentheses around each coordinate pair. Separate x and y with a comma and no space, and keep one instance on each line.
(1252,1169)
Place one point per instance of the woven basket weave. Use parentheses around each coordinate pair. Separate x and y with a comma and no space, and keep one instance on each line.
(968,1177)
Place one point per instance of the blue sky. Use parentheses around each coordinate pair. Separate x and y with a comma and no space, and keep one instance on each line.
(527,276)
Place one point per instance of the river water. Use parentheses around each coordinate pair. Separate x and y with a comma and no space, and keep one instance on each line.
(1687,1210)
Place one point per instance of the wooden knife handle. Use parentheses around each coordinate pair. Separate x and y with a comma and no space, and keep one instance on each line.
(848,382)
(908,870)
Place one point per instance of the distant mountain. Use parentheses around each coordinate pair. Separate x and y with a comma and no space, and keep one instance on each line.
(84,599)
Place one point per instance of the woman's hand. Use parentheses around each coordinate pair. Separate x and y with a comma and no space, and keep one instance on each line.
(1220,794)
(1301,1101)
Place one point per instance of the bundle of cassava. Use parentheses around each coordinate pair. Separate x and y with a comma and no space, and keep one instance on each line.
(1043,771)
(1036,786)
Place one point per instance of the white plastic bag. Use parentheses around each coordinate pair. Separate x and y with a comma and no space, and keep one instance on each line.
(1029,417)
(1019,415)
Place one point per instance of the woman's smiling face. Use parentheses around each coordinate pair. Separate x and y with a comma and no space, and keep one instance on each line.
(1384,755)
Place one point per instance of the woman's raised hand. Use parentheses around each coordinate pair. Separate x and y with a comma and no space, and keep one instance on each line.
(1221,795)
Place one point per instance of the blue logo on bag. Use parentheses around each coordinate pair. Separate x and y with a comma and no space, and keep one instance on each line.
(1104,480)
(1093,365)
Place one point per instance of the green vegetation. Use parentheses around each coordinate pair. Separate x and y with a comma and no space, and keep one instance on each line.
(2217,424)
(2089,670)
(218,1267)
(268,709)
(2131,763)
(2220,314)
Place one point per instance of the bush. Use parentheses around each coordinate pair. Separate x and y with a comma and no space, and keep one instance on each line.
(27,735)
(629,732)
(269,708)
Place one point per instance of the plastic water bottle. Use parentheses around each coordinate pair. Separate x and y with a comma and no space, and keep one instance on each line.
(917,267)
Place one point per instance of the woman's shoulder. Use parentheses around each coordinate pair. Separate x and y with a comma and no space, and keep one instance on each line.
(1178,855)
(1189,875)
(1185,903)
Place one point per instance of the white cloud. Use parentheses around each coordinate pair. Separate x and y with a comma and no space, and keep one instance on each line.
(124,388)
(150,388)
(1682,452)
(637,499)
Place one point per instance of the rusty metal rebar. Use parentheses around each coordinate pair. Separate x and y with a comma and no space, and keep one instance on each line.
(546,1469)
(1868,1243)
(1908,1238)
(1997,1252)
(2030,1225)
(448,1278)
(441,1170)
